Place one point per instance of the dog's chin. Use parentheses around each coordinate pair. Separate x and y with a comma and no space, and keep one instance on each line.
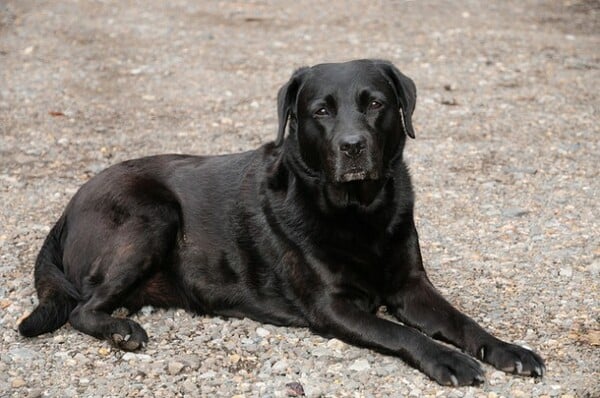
(355,187)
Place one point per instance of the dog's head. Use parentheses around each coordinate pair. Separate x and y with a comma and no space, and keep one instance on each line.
(349,120)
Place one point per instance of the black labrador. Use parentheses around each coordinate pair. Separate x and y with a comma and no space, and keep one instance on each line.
(315,230)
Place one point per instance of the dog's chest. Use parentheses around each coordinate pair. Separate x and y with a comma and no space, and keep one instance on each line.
(349,243)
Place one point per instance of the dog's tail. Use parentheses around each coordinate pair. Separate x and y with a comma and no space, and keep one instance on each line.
(57,296)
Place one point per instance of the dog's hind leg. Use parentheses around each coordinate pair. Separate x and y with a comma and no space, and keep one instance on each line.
(132,256)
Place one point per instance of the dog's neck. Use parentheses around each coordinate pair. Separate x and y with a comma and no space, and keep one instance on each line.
(362,196)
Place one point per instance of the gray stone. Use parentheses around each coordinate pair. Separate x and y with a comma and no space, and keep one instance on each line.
(174,367)
(23,354)
(360,365)
(262,332)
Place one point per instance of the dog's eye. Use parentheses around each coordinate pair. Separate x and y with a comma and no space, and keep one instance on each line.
(374,105)
(322,112)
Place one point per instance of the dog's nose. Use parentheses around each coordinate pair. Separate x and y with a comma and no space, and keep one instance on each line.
(353,145)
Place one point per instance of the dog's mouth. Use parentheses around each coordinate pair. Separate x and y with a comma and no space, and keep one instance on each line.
(363,168)
(354,175)
(358,175)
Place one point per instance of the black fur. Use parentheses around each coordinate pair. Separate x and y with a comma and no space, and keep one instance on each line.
(313,230)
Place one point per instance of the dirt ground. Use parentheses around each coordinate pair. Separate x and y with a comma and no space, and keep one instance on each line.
(505,166)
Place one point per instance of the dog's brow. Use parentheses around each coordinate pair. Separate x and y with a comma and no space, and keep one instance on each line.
(369,93)
(320,101)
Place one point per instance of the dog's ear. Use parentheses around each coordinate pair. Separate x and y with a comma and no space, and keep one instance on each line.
(406,92)
(286,98)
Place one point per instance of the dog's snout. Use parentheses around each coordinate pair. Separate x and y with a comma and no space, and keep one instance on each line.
(353,145)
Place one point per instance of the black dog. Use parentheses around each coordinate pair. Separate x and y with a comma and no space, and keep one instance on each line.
(313,230)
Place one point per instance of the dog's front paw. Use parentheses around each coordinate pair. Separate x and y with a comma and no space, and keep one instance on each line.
(452,368)
(512,359)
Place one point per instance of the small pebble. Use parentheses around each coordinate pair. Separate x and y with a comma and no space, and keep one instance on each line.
(174,367)
(294,389)
(279,367)
(208,375)
(262,332)
(567,272)
(336,344)
(360,365)
(17,382)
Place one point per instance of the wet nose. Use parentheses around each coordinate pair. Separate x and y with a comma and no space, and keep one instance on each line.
(353,145)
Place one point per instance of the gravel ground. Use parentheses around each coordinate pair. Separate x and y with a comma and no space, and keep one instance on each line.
(505,166)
